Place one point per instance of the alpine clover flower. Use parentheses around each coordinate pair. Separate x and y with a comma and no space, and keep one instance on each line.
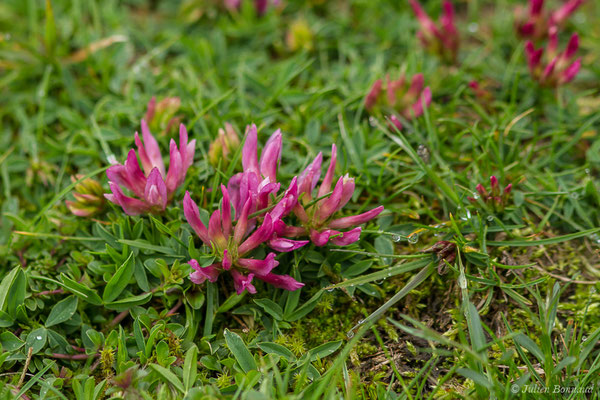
(559,67)
(89,197)
(231,245)
(534,22)
(154,186)
(496,198)
(161,116)
(223,147)
(399,97)
(316,214)
(443,40)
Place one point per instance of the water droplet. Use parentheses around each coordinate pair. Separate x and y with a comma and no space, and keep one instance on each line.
(574,195)
(595,237)
(473,27)
(583,339)
(389,274)
(587,171)
(412,239)
(490,218)
(330,290)
(396,238)
(360,322)
(593,290)
(475,195)
(38,337)
(350,334)
(372,121)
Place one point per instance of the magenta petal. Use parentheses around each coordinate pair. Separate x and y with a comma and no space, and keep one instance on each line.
(284,245)
(270,156)
(155,192)
(135,176)
(287,203)
(152,149)
(281,281)
(422,102)
(241,282)
(215,230)
(192,215)
(347,191)
(130,206)
(175,174)
(226,260)
(416,86)
(329,205)
(226,211)
(146,164)
(347,222)
(320,239)
(571,71)
(249,157)
(201,274)
(347,237)
(259,236)
(309,178)
(371,98)
(186,150)
(427,24)
(259,267)
(328,179)
(572,47)
(239,232)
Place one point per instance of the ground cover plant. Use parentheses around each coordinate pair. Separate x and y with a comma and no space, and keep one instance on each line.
(299,199)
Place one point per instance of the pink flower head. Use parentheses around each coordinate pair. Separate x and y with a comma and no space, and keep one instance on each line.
(496,198)
(533,22)
(556,68)
(161,116)
(232,244)
(317,215)
(259,177)
(399,97)
(442,40)
(154,186)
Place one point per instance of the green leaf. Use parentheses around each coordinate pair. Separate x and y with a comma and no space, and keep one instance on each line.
(5,286)
(62,311)
(119,281)
(305,308)
(324,350)
(16,293)
(169,376)
(530,345)
(78,289)
(10,342)
(239,350)
(557,239)
(36,339)
(270,307)
(128,302)
(190,367)
(274,348)
(50,29)
(231,302)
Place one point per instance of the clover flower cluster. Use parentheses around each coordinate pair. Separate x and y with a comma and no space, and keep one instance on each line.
(442,39)
(534,22)
(252,214)
(399,97)
(550,67)
(496,198)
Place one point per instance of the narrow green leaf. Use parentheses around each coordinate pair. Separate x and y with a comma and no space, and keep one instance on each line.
(169,376)
(274,348)
(271,308)
(119,281)
(190,367)
(239,350)
(554,240)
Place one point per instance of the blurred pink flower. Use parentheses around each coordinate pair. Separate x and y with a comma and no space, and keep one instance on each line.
(154,186)
(496,198)
(533,22)
(559,68)
(443,40)
(399,97)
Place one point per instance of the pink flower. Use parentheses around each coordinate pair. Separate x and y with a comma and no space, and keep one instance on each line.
(496,198)
(89,199)
(317,214)
(533,22)
(443,40)
(232,244)
(161,116)
(399,97)
(154,186)
(558,68)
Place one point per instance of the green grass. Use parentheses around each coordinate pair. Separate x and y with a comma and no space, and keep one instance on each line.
(517,309)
